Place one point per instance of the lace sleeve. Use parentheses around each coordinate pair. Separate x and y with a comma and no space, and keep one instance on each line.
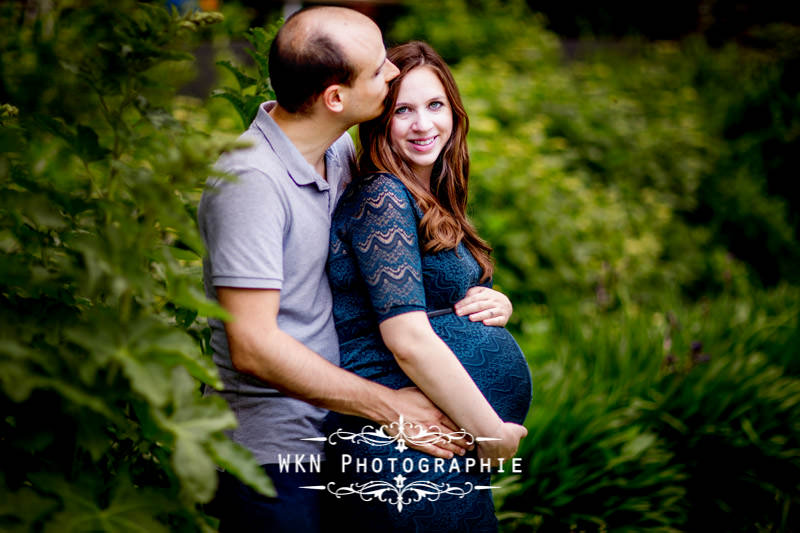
(384,235)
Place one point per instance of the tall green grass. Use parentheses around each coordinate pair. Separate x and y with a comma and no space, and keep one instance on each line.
(680,419)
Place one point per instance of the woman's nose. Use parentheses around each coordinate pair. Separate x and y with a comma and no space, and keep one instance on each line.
(422,122)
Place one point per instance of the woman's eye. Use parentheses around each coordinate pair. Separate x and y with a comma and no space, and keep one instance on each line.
(400,110)
(435,106)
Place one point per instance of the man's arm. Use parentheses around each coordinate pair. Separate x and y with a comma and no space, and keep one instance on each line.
(260,348)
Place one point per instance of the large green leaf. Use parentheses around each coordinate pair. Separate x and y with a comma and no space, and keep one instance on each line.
(21,509)
(240,462)
(130,509)
(194,422)
(244,80)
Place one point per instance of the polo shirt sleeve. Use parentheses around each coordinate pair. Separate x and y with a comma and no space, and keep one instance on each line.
(243,223)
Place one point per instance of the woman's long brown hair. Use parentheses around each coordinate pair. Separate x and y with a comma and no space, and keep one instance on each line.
(444,223)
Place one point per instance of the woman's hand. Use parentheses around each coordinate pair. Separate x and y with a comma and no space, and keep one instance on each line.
(491,307)
(510,435)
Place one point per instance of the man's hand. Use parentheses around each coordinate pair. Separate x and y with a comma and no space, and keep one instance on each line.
(510,435)
(419,413)
(259,348)
(491,307)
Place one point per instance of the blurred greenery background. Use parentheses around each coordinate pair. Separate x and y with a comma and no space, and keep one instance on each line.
(635,184)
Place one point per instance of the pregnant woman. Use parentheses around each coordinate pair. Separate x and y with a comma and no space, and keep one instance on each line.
(402,253)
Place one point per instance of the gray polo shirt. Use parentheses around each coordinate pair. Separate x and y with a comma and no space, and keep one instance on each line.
(269,228)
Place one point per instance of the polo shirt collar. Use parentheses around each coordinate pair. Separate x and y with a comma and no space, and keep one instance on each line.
(301,172)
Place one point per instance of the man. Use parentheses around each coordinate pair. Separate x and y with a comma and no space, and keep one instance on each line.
(267,235)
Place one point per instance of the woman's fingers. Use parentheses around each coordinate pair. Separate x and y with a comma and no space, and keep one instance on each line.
(485,305)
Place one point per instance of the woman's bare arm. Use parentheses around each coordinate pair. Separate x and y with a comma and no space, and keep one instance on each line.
(434,368)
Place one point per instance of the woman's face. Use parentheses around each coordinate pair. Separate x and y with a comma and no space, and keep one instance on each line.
(422,121)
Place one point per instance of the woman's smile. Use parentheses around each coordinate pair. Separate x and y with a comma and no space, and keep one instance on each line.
(423,145)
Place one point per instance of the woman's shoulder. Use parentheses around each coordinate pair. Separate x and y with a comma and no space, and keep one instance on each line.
(378,181)
(380,194)
(376,185)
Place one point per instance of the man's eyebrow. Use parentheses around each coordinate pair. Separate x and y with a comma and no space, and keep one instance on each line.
(381,65)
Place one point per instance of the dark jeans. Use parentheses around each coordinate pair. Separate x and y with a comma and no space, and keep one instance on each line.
(294,510)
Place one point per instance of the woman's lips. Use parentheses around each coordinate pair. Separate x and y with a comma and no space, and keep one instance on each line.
(423,145)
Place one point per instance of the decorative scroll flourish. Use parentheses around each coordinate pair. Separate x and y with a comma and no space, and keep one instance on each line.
(401,432)
(401,494)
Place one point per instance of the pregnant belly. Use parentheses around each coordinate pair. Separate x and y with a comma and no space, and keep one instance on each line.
(493,359)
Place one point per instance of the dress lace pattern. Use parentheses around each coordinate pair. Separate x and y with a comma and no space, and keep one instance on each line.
(377,270)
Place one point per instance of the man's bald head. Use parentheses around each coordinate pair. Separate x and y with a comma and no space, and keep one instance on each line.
(309,54)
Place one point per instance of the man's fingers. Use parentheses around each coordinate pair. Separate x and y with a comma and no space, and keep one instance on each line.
(451,447)
(430,449)
(448,425)
(441,448)
(439,437)
(463,443)
(436,445)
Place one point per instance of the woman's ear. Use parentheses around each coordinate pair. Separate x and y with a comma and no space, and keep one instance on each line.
(332,98)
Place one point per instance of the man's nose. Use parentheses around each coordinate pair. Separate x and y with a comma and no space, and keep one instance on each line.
(391,71)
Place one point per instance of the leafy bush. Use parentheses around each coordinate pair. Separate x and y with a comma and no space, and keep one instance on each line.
(589,466)
(577,180)
(665,384)
(593,180)
(695,144)
(560,232)
(252,88)
(459,29)
(680,419)
(747,198)
(103,425)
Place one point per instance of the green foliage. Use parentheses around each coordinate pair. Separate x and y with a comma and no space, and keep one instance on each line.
(103,425)
(590,467)
(734,429)
(578,180)
(666,387)
(468,28)
(559,231)
(748,197)
(688,161)
(614,186)
(253,89)
(682,418)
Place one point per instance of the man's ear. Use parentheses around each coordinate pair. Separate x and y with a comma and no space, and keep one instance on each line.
(333,98)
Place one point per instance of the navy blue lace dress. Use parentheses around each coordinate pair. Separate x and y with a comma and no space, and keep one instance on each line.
(377,270)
